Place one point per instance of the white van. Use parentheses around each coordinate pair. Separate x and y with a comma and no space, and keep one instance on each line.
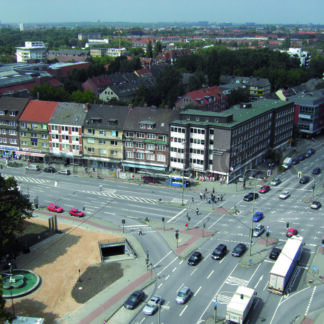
(33,167)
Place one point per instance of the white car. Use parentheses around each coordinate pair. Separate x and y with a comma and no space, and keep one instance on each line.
(284,195)
(67,172)
(152,305)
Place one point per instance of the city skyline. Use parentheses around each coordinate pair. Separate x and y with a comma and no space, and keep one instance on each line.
(142,11)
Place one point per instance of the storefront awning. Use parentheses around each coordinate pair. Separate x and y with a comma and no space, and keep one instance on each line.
(30,153)
(142,166)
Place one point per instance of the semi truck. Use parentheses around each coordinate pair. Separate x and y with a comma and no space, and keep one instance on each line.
(240,304)
(285,265)
(287,162)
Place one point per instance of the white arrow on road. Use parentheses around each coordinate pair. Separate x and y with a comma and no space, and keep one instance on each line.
(256,285)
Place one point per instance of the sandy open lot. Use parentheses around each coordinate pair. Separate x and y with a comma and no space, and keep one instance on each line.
(58,263)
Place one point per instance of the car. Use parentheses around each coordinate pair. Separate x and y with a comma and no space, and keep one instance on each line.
(295,161)
(49,170)
(316,205)
(152,305)
(304,179)
(311,151)
(257,216)
(301,157)
(284,195)
(55,208)
(195,258)
(76,212)
(65,171)
(291,232)
(183,295)
(250,196)
(274,253)
(316,171)
(33,167)
(308,154)
(134,299)
(275,182)
(148,179)
(264,189)
(219,252)
(239,250)
(258,230)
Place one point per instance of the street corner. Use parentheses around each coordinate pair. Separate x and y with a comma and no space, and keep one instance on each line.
(315,273)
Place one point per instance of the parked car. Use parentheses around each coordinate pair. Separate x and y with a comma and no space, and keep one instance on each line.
(49,170)
(301,157)
(33,167)
(76,212)
(148,179)
(274,253)
(195,258)
(134,299)
(316,171)
(239,250)
(258,230)
(152,305)
(316,205)
(308,154)
(275,182)
(250,196)
(219,252)
(183,295)
(304,179)
(284,195)
(264,189)
(65,171)
(257,216)
(295,161)
(55,208)
(291,232)
(311,151)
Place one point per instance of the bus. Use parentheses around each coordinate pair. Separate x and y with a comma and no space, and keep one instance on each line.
(179,181)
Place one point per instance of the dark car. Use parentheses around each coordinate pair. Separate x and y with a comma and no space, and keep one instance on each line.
(219,252)
(316,171)
(311,151)
(49,170)
(257,216)
(239,250)
(301,157)
(195,258)
(274,253)
(308,154)
(250,196)
(148,179)
(316,205)
(295,161)
(134,299)
(304,180)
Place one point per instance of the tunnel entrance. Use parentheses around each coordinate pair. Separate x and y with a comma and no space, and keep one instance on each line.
(112,251)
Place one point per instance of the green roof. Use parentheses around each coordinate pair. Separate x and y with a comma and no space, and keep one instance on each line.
(240,115)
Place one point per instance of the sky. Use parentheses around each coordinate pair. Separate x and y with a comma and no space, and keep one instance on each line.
(150,11)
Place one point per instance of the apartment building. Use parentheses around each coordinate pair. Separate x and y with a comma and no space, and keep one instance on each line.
(225,144)
(33,51)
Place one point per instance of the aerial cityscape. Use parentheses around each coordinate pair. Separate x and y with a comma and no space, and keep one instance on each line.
(161,167)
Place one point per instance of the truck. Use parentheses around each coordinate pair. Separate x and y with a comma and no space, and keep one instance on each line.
(285,265)
(287,162)
(240,304)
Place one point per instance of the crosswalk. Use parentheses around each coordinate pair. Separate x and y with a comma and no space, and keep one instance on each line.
(29,179)
(122,197)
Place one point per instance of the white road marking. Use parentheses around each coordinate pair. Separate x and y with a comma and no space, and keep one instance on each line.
(310,301)
(210,274)
(159,273)
(167,277)
(183,310)
(197,291)
(256,285)
(177,215)
(156,264)
(174,269)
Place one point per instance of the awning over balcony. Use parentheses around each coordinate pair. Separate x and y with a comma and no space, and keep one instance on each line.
(30,154)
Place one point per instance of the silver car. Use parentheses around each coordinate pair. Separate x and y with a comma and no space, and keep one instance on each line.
(152,305)
(183,295)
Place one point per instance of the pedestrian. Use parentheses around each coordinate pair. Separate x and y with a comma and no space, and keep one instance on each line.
(213,190)
(140,232)
(201,195)
(221,197)
(204,195)
(205,189)
(197,211)
(218,197)
(208,200)
(192,199)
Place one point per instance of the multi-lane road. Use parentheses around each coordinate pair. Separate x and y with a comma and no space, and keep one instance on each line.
(210,280)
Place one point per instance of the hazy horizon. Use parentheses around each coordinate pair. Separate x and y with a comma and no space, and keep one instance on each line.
(144,11)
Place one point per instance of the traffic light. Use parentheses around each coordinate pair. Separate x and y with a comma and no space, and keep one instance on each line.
(177,234)
(287,225)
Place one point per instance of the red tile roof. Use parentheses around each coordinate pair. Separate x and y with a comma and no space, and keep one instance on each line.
(211,91)
(38,111)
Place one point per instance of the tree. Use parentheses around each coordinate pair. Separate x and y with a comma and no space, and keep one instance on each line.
(4,315)
(83,97)
(14,209)
(157,48)
(237,96)
(197,80)
(149,50)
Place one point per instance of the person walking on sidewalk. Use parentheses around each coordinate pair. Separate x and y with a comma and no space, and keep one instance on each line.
(197,211)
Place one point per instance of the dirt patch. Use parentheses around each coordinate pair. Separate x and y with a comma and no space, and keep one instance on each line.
(58,263)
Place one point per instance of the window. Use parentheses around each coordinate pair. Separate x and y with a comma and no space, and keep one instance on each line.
(151,136)
(75,147)
(65,137)
(140,155)
(161,158)
(102,132)
(140,135)
(129,144)
(55,137)
(44,144)
(44,136)
(54,127)
(34,126)
(75,130)
(114,143)
(12,113)
(23,143)
(113,152)
(140,145)
(129,155)
(162,138)
(66,146)
(150,147)
(65,128)
(161,147)
(33,143)
(91,131)
(23,125)
(101,141)
(114,133)
(34,135)
(12,132)
(129,134)
(75,139)
(2,112)
(13,141)
(102,152)
(56,145)
(90,150)
(44,126)
(90,140)
(150,156)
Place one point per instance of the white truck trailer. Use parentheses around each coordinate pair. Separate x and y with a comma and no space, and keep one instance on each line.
(240,304)
(285,265)
(287,162)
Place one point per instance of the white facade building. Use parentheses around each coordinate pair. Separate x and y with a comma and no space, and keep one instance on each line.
(33,51)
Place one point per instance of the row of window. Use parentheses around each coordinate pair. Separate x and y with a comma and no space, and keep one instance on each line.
(34,135)
(102,151)
(8,122)
(283,121)
(34,144)
(282,130)
(285,112)
(11,132)
(146,156)
(11,113)
(63,137)
(11,140)
(252,124)
(147,135)
(102,132)
(66,146)
(148,146)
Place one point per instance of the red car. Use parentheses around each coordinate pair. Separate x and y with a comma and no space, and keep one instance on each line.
(291,232)
(264,189)
(55,208)
(76,212)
